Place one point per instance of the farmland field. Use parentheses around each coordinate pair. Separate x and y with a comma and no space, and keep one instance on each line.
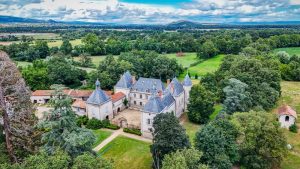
(128,153)
(43,36)
(96,59)
(291,51)
(207,66)
(57,43)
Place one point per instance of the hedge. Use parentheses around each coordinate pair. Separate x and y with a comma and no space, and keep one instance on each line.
(112,126)
(133,131)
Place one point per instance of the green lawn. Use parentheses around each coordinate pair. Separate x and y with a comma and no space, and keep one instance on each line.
(290,94)
(96,59)
(185,60)
(100,136)
(207,66)
(218,108)
(291,51)
(57,43)
(23,64)
(128,153)
(191,129)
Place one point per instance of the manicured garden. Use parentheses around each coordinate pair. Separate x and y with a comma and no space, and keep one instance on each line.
(100,136)
(128,153)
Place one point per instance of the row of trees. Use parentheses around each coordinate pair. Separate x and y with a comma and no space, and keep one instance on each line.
(250,140)
(205,43)
(55,70)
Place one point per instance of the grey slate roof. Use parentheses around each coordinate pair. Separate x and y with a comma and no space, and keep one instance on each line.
(154,105)
(125,81)
(175,87)
(168,99)
(146,85)
(187,81)
(98,97)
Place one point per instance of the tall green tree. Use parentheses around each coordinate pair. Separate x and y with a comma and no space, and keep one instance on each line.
(61,71)
(36,75)
(89,161)
(61,131)
(262,144)
(184,159)
(201,104)
(217,141)
(66,47)
(93,45)
(42,48)
(207,50)
(237,97)
(168,136)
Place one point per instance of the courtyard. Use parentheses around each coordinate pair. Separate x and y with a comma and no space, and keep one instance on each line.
(128,118)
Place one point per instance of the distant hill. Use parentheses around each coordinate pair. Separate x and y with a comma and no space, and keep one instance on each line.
(184,23)
(12,19)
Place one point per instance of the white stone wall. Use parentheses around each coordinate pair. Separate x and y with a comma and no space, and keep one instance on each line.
(145,127)
(284,123)
(138,99)
(118,104)
(125,91)
(79,111)
(187,90)
(170,109)
(39,99)
(100,112)
(179,100)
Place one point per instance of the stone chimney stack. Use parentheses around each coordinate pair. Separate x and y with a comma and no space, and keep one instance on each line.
(168,82)
(133,80)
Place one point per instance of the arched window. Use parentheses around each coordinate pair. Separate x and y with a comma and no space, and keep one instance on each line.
(287,118)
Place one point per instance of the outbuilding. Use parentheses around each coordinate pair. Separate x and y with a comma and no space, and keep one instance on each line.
(286,116)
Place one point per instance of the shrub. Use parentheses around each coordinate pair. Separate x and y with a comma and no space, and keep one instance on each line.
(112,126)
(293,128)
(105,123)
(82,120)
(196,76)
(133,131)
(94,124)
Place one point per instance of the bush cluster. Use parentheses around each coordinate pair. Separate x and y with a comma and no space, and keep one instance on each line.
(293,128)
(133,131)
(95,123)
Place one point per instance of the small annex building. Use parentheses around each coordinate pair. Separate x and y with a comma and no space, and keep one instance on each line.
(286,116)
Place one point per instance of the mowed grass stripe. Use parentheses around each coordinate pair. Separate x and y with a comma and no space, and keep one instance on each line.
(128,153)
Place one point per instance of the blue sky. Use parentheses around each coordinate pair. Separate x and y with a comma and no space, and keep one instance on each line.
(154,11)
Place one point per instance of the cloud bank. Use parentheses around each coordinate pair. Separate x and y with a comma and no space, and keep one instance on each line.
(117,11)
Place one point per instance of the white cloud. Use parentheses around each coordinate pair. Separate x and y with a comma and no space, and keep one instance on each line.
(115,11)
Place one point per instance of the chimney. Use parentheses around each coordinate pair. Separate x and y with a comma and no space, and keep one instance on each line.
(133,80)
(168,82)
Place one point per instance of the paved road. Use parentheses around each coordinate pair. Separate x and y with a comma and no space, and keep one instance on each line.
(115,134)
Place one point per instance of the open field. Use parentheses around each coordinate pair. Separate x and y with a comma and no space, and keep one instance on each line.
(128,153)
(207,66)
(57,43)
(43,36)
(291,51)
(291,96)
(23,64)
(100,136)
(185,60)
(96,59)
